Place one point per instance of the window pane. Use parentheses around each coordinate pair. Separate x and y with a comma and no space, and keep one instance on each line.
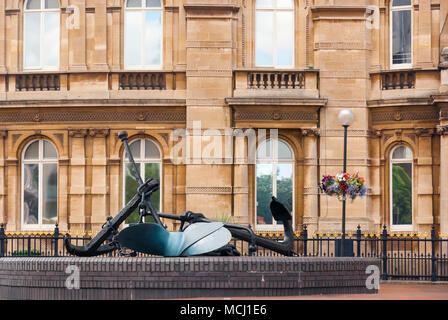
(153,3)
(49,151)
(135,149)
(133,39)
(402,153)
(401,3)
(284,152)
(33,4)
(32,152)
(32,40)
(285,38)
(51,4)
(51,39)
(264,193)
(153,37)
(151,150)
(264,4)
(130,190)
(402,193)
(285,4)
(134,4)
(401,37)
(30,193)
(265,151)
(49,193)
(285,184)
(263,39)
(152,170)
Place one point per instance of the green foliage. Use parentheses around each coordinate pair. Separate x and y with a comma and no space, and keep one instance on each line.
(402,195)
(264,195)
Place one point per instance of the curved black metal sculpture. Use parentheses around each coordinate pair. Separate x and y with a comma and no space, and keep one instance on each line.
(142,201)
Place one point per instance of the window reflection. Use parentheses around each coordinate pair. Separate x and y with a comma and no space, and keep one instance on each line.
(274,33)
(41,34)
(147,157)
(401,184)
(143,34)
(401,21)
(40,184)
(274,177)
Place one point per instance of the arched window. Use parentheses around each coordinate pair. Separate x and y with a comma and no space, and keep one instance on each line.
(143,34)
(401,188)
(274,33)
(39,185)
(147,157)
(41,34)
(401,33)
(274,177)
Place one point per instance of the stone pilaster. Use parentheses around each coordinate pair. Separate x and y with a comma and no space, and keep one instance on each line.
(310,179)
(423,203)
(99,188)
(77,37)
(77,189)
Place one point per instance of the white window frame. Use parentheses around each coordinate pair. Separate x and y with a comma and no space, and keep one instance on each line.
(40,162)
(142,160)
(391,40)
(41,11)
(274,11)
(400,227)
(143,9)
(274,226)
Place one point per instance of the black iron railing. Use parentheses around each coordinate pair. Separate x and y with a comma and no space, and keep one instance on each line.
(410,257)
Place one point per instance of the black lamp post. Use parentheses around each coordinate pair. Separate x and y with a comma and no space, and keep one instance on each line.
(345,119)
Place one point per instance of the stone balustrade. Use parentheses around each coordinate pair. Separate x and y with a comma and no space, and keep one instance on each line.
(398,80)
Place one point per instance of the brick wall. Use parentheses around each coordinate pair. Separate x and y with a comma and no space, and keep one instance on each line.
(143,278)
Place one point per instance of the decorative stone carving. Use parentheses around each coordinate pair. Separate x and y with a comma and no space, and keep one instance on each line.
(310,132)
(442,130)
(99,133)
(444,58)
(424,132)
(77,133)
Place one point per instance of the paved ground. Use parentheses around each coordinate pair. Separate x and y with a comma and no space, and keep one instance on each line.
(387,291)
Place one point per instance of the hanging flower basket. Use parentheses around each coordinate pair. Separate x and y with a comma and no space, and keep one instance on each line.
(343,186)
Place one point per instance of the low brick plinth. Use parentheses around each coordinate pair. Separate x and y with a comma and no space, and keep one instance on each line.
(147,278)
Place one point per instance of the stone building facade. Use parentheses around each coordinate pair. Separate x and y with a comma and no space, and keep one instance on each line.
(75,73)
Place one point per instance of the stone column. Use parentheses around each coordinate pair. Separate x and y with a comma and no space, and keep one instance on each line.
(77,189)
(310,179)
(443,179)
(99,188)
